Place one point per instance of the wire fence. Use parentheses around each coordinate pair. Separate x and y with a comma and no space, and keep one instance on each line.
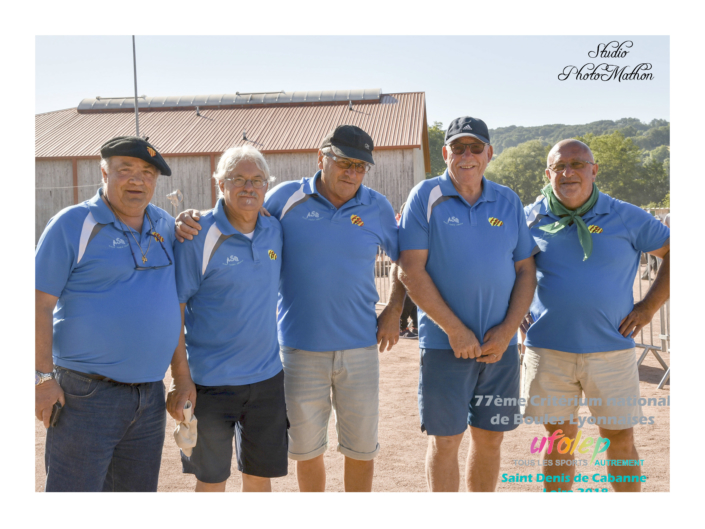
(654,338)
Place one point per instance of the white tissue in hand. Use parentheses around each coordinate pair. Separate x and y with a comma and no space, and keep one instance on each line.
(185,433)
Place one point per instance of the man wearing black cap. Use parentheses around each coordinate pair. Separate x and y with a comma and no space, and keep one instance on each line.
(467,262)
(328,328)
(107,325)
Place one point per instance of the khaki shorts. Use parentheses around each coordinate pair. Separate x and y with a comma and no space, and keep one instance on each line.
(317,383)
(554,382)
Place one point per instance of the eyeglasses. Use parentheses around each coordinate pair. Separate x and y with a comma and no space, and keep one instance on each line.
(345,164)
(137,267)
(576,165)
(239,181)
(475,148)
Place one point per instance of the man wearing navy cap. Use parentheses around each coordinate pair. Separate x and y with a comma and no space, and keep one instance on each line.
(328,328)
(583,316)
(467,262)
(107,325)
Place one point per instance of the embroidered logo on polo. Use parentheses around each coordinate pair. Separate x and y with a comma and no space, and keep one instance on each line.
(272,255)
(313,215)
(357,221)
(118,243)
(594,229)
(453,221)
(151,151)
(495,222)
(232,261)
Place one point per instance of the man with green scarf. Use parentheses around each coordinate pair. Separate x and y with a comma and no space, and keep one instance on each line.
(583,315)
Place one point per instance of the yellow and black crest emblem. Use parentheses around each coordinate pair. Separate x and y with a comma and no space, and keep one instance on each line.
(495,222)
(594,229)
(151,151)
(357,221)
(272,255)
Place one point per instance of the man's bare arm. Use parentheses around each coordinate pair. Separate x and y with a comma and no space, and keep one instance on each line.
(496,340)
(46,394)
(424,293)
(660,291)
(187,225)
(388,320)
(182,386)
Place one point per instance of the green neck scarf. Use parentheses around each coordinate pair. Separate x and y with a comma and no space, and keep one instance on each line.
(569,216)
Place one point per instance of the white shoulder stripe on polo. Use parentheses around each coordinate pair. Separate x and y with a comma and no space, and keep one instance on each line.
(436,193)
(534,214)
(88,225)
(293,200)
(211,239)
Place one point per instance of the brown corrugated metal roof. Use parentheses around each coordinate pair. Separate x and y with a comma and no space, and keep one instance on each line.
(395,121)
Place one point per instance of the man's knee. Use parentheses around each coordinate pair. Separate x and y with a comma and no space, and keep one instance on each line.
(486,439)
(568,430)
(445,444)
(620,440)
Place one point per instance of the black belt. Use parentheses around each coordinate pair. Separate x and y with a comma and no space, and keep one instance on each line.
(102,378)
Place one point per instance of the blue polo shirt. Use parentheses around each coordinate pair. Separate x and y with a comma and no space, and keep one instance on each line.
(579,305)
(229,284)
(471,251)
(327,292)
(110,319)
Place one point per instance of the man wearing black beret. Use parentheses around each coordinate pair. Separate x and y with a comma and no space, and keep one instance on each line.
(107,325)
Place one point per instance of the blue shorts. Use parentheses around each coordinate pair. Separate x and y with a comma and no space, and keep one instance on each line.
(256,415)
(449,387)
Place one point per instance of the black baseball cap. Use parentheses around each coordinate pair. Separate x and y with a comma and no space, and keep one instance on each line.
(136,148)
(467,126)
(350,141)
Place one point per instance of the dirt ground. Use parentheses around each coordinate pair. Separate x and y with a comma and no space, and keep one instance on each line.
(399,467)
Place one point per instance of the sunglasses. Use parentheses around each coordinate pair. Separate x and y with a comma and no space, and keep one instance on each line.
(345,164)
(475,148)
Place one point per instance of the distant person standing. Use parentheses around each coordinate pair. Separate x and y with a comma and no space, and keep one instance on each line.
(410,310)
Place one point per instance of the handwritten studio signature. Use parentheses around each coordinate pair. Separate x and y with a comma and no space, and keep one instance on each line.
(605,71)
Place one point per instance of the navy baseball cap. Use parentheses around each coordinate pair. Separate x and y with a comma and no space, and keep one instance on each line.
(467,126)
(136,148)
(350,141)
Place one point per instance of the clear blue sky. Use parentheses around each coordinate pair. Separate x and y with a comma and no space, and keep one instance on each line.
(504,80)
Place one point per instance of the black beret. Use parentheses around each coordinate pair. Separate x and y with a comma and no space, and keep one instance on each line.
(136,148)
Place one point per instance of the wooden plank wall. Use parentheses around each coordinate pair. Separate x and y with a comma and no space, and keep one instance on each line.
(58,176)
(394,174)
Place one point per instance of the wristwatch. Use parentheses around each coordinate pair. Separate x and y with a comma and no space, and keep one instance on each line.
(40,378)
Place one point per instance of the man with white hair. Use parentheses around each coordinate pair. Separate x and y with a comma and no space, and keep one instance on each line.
(227,284)
(107,325)
(583,315)
(328,327)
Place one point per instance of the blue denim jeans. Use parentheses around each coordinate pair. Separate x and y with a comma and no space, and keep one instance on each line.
(109,436)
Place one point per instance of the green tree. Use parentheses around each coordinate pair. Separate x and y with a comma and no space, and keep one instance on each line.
(436,138)
(622,174)
(522,169)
